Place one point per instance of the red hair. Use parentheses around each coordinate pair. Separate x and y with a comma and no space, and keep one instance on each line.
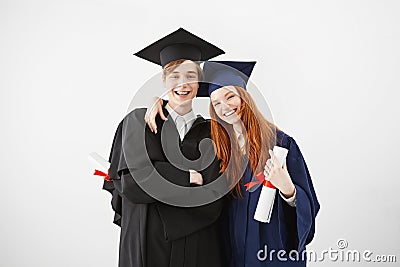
(261,136)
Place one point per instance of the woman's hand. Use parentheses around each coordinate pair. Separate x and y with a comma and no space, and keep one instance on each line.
(279,176)
(195,177)
(152,112)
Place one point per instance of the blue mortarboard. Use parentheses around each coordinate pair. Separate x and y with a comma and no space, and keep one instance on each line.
(180,44)
(226,73)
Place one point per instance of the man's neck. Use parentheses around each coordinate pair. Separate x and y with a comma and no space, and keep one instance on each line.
(181,109)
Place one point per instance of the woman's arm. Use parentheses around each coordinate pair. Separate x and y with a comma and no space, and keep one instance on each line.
(153,111)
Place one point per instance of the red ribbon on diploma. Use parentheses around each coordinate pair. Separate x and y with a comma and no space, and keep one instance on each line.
(260,179)
(105,175)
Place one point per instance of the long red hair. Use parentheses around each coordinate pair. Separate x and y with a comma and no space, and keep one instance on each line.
(261,136)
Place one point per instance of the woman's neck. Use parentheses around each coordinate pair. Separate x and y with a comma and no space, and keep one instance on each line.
(237,127)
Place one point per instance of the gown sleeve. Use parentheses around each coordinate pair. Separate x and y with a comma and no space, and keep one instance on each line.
(298,221)
(129,131)
(172,174)
(116,201)
(132,169)
(182,221)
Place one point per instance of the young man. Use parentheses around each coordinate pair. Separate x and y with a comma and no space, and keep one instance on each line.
(155,177)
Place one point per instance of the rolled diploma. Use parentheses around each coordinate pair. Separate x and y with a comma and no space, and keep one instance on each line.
(100,161)
(267,195)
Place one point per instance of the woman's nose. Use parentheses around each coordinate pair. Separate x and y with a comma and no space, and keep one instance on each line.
(224,105)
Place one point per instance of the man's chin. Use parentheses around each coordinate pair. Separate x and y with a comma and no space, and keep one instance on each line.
(181,102)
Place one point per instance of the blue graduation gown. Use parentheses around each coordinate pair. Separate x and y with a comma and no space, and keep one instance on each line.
(290,228)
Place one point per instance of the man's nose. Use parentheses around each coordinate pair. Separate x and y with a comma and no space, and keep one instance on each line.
(183,81)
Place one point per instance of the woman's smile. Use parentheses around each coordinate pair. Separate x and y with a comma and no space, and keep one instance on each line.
(227,114)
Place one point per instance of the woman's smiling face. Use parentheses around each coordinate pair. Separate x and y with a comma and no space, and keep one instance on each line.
(226,103)
(182,82)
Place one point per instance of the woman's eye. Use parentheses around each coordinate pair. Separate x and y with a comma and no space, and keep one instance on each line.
(174,77)
(191,76)
(229,97)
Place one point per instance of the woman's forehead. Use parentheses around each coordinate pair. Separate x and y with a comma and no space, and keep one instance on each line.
(221,92)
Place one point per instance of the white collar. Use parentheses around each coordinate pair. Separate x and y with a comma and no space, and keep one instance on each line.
(188,117)
(236,133)
(241,140)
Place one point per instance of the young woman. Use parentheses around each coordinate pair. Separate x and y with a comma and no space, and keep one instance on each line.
(292,224)
(242,136)
(146,179)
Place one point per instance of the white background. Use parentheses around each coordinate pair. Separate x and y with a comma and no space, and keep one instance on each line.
(328,69)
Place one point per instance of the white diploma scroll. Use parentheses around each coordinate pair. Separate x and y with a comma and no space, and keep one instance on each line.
(267,196)
(100,161)
(103,164)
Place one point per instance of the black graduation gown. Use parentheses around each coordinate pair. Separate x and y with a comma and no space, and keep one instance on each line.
(154,233)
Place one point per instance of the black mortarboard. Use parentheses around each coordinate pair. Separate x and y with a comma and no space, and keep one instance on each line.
(227,73)
(180,44)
